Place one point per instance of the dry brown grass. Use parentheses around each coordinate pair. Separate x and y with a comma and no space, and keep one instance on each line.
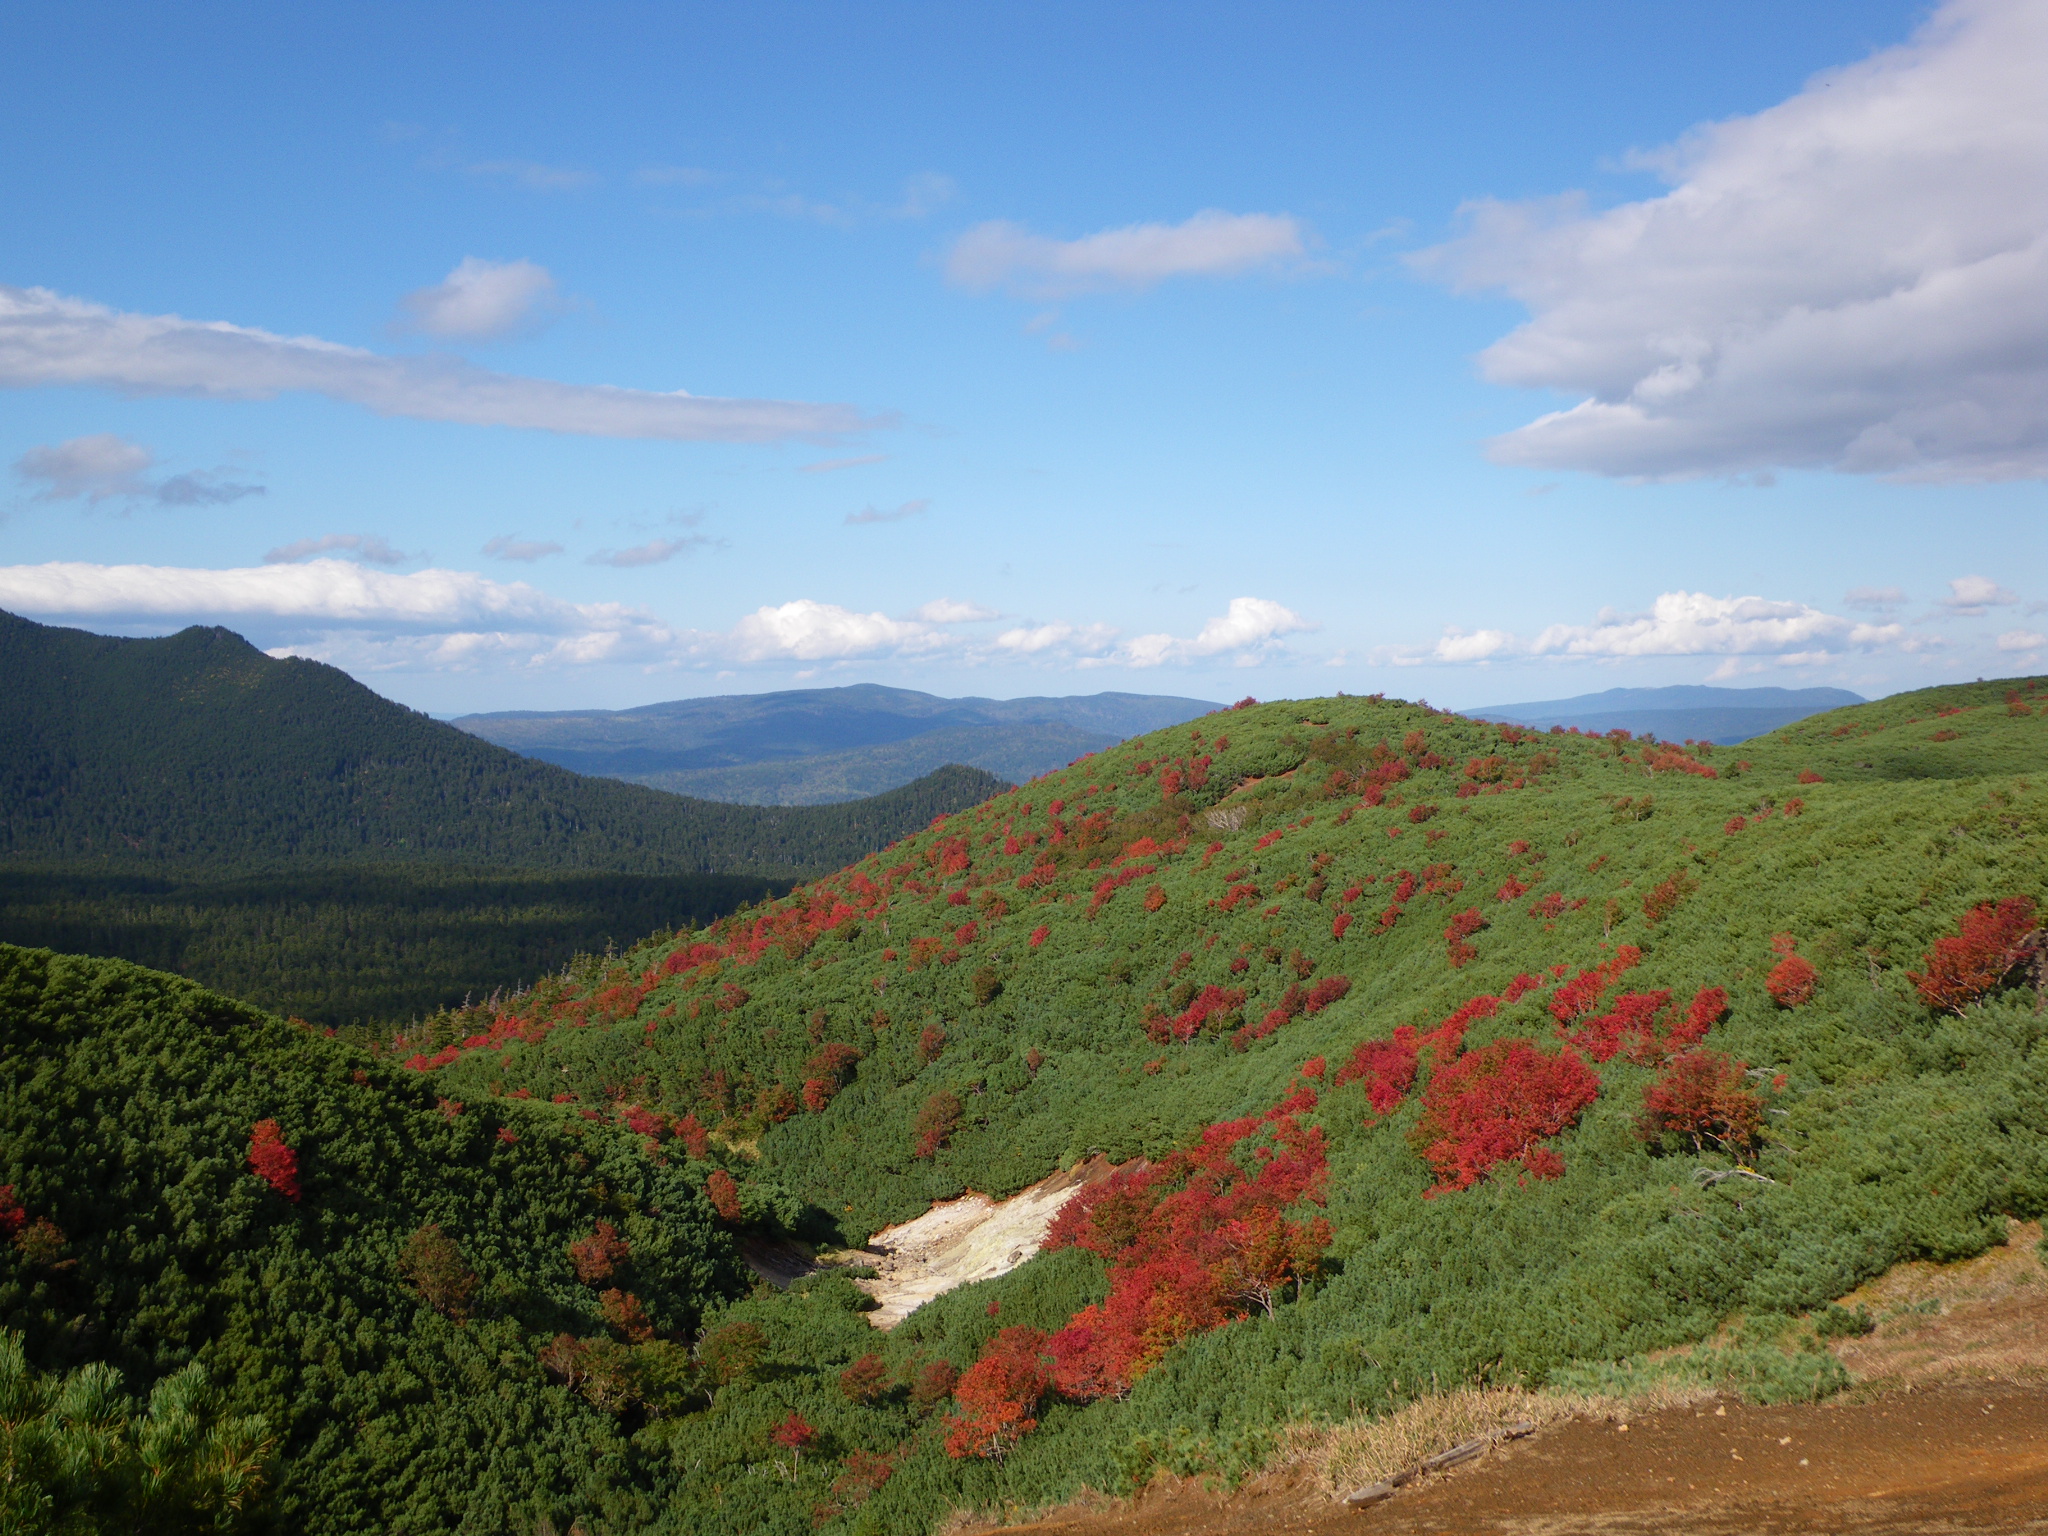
(1360,1451)
(1985,1319)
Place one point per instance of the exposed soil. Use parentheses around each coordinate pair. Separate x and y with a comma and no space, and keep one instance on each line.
(956,1241)
(972,1238)
(1947,1431)
(1949,1458)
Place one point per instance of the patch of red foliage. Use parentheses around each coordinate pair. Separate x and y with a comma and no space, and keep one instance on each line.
(272,1161)
(1498,1104)
(1702,1097)
(1192,1242)
(1991,941)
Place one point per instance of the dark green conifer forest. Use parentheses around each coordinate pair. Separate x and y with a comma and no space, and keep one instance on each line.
(276,830)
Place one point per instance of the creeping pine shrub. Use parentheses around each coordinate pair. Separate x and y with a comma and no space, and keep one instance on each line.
(1500,1103)
(1991,941)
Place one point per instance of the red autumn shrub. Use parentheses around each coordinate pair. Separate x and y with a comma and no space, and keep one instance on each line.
(595,1257)
(866,1380)
(935,1123)
(998,1396)
(1791,981)
(1734,825)
(818,1093)
(1191,1242)
(1462,927)
(931,1042)
(1991,941)
(724,1196)
(1808,776)
(623,1311)
(695,1138)
(1211,1002)
(1040,934)
(272,1161)
(1155,898)
(1325,992)
(1704,1098)
(1342,923)
(1630,1021)
(933,1383)
(1421,813)
(1494,1105)
(1511,890)
(1579,995)
(794,1435)
(1385,1067)
(12,1216)
(1663,898)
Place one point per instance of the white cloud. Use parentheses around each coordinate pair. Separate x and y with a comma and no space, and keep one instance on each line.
(484,300)
(2021,640)
(1855,279)
(1250,624)
(366,546)
(1678,624)
(812,631)
(1211,244)
(868,515)
(1090,640)
(653,552)
(506,547)
(103,466)
(1973,596)
(47,339)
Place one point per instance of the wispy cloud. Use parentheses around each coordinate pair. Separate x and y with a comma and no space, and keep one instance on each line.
(507,547)
(827,466)
(1854,279)
(104,467)
(653,552)
(532,175)
(365,546)
(1876,599)
(1213,243)
(47,339)
(867,515)
(484,301)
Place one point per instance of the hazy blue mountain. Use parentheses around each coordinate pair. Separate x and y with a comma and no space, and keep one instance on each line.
(818,745)
(1684,713)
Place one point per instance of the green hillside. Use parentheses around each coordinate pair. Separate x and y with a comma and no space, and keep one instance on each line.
(1455,1052)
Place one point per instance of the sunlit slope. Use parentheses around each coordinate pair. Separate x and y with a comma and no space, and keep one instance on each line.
(1039,958)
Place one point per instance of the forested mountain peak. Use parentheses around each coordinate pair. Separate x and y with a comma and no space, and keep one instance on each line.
(198,751)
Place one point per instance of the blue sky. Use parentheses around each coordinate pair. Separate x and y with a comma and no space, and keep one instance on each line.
(1480,353)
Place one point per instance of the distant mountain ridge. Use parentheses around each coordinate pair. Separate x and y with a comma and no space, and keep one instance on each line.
(819,745)
(1685,712)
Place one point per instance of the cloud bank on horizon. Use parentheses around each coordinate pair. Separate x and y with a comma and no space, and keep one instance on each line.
(303,601)
(1855,279)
